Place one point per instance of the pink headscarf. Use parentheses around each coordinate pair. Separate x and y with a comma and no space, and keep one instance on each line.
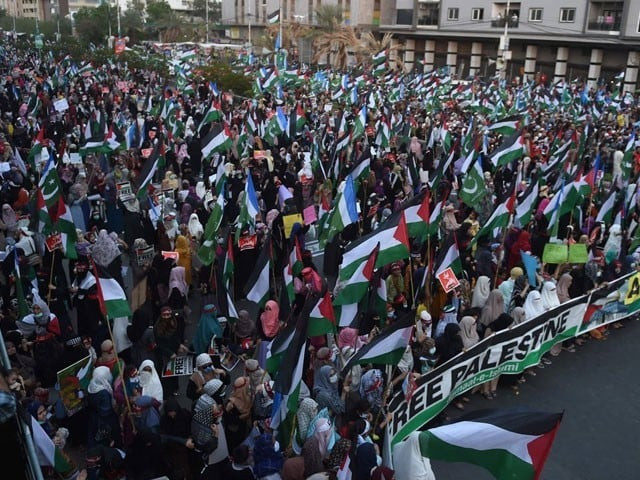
(323,434)
(177,280)
(348,337)
(269,319)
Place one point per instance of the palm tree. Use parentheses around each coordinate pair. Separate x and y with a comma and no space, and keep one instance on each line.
(337,43)
(371,45)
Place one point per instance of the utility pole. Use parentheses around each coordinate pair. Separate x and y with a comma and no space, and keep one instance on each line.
(504,42)
(249,14)
(118,12)
(206,19)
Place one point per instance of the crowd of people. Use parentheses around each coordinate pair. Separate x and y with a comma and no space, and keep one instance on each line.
(164,244)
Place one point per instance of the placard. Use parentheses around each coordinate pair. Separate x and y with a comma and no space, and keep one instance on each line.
(53,242)
(75,158)
(247,242)
(578,253)
(144,256)
(125,192)
(73,382)
(174,255)
(448,280)
(555,253)
(289,221)
(179,366)
(61,105)
(309,214)
(146,152)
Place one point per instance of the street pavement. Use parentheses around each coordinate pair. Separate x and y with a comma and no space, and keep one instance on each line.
(598,389)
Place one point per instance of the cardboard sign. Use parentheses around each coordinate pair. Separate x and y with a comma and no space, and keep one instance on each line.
(309,214)
(289,221)
(578,253)
(125,192)
(61,105)
(448,280)
(144,256)
(53,242)
(73,381)
(123,86)
(146,152)
(555,253)
(174,255)
(120,45)
(179,367)
(75,158)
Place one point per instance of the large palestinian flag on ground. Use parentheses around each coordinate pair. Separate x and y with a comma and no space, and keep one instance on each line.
(510,443)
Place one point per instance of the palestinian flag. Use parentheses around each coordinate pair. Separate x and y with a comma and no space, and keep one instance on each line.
(346,314)
(627,159)
(39,143)
(506,126)
(113,300)
(67,230)
(288,379)
(394,245)
(44,220)
(387,348)
(358,284)
(498,219)
(360,124)
(292,269)
(214,114)
(229,262)
(418,217)
(360,170)
(257,288)
(188,55)
(23,308)
(448,256)
(114,140)
(524,209)
(510,443)
(148,170)
(605,213)
(226,307)
(48,454)
(217,140)
(322,319)
(379,58)
(274,17)
(445,138)
(278,346)
(510,150)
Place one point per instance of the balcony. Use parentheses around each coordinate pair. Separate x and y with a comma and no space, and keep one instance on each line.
(500,22)
(612,26)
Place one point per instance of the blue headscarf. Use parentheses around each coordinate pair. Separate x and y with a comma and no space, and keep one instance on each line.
(208,326)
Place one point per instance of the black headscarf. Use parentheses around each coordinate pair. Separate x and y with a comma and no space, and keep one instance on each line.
(449,344)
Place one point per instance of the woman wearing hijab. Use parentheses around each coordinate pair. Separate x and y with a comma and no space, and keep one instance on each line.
(489,389)
(149,381)
(178,288)
(106,253)
(184,257)
(562,288)
(176,423)
(168,345)
(140,333)
(257,376)
(9,220)
(195,227)
(325,390)
(519,293)
(533,305)
(238,409)
(307,411)
(103,425)
(208,328)
(269,320)
(268,460)
(549,296)
(468,332)
(481,292)
(449,344)
(371,388)
(365,458)
(493,308)
(244,330)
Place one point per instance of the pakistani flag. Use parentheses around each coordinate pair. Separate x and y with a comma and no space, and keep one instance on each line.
(67,230)
(257,288)
(387,348)
(473,185)
(510,150)
(394,245)
(511,443)
(217,140)
(289,377)
(445,137)
(51,189)
(448,256)
(113,300)
(249,209)
(48,454)
(322,319)
(206,252)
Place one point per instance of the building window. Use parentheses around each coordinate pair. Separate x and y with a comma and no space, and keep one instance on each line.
(535,14)
(428,14)
(404,16)
(477,14)
(568,15)
(452,14)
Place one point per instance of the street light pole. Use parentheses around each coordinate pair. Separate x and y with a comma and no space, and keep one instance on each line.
(118,11)
(206,15)
(505,42)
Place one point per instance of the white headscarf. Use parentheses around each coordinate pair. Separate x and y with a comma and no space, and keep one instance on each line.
(150,382)
(195,227)
(100,380)
(481,291)
(549,295)
(533,305)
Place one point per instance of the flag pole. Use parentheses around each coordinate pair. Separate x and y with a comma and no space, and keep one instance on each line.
(504,237)
(53,261)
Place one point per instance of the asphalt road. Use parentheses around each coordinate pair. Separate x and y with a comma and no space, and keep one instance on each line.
(598,389)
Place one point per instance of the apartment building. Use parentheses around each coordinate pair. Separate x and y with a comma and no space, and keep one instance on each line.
(592,39)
